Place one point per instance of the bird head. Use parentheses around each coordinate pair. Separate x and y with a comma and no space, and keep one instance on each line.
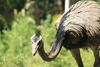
(37,42)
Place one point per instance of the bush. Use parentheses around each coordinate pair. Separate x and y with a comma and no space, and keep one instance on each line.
(16,41)
(16,47)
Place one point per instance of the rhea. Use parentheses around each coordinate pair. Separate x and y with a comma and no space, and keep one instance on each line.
(77,28)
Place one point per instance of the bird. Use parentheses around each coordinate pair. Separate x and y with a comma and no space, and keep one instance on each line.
(77,28)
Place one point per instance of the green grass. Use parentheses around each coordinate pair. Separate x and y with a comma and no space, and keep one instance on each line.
(16,50)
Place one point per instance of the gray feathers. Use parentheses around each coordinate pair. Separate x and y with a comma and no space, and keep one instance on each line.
(81,22)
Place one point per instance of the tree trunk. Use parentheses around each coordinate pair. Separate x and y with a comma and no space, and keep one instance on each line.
(37,17)
(6,15)
(67,5)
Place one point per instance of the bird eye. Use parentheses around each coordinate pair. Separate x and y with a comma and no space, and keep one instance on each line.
(31,42)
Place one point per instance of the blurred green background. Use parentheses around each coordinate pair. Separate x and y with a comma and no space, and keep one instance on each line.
(17,25)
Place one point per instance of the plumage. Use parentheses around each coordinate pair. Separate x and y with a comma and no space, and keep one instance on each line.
(78,28)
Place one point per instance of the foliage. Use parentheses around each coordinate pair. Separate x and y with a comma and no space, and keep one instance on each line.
(11,4)
(14,42)
(55,19)
(16,48)
(6,11)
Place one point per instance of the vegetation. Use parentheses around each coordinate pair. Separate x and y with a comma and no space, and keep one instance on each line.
(15,46)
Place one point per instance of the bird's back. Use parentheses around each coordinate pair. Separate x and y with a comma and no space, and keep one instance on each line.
(81,24)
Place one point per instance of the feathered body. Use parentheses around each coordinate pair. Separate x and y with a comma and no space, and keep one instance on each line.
(77,28)
(80,26)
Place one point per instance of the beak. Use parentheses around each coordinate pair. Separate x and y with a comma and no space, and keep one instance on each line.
(34,49)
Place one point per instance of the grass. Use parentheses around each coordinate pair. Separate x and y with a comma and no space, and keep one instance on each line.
(16,50)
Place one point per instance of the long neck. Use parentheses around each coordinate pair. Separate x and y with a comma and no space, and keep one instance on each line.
(56,47)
